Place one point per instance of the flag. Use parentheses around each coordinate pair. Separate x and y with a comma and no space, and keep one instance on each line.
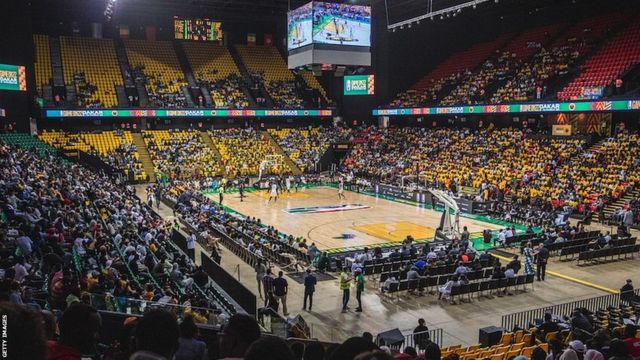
(251,39)
(268,39)
(124,31)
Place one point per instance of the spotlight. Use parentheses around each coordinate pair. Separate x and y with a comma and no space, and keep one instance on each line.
(409,25)
(418,22)
(394,30)
(474,6)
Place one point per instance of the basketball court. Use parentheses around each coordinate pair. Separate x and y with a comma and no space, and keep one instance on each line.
(336,225)
(337,30)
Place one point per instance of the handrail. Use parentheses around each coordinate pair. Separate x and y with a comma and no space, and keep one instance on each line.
(131,306)
(523,319)
(414,339)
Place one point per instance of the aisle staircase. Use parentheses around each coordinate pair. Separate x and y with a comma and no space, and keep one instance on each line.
(56,62)
(290,164)
(145,158)
(617,204)
(207,140)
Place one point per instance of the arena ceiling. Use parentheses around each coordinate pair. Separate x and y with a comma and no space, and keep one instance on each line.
(253,10)
(403,10)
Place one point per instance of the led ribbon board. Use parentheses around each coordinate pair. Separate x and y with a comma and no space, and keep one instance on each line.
(582,106)
(184,113)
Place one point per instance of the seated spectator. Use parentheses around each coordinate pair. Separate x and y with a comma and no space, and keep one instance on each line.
(237,336)
(154,344)
(79,328)
(25,335)
(188,347)
(269,348)
(548,326)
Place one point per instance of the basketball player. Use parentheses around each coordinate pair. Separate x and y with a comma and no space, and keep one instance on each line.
(274,191)
(287,182)
(241,190)
(220,193)
(341,190)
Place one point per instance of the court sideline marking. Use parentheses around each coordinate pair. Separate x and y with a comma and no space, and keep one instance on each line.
(567,277)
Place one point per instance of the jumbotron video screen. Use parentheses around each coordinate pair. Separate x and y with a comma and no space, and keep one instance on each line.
(341,24)
(299,32)
(197,29)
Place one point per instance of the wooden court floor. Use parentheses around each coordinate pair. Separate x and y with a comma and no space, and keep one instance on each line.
(381,312)
(359,220)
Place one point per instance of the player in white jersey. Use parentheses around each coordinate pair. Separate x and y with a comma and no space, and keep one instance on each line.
(287,183)
(274,191)
(341,190)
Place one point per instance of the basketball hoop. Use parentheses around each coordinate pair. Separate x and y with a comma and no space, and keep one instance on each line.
(273,163)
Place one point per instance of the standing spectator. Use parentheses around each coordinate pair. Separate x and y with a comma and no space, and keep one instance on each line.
(421,335)
(280,290)
(528,253)
(627,220)
(345,286)
(267,285)
(215,256)
(261,270)
(464,238)
(309,288)
(541,262)
(191,245)
(359,288)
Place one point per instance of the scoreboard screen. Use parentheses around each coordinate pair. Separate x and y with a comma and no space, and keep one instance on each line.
(197,29)
(341,24)
(13,77)
(359,85)
(299,27)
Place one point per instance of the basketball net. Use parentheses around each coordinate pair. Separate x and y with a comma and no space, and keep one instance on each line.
(272,164)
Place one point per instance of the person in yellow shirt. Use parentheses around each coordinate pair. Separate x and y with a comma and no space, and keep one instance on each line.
(153,247)
(345,286)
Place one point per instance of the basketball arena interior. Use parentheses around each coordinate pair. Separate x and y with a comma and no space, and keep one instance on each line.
(339,180)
